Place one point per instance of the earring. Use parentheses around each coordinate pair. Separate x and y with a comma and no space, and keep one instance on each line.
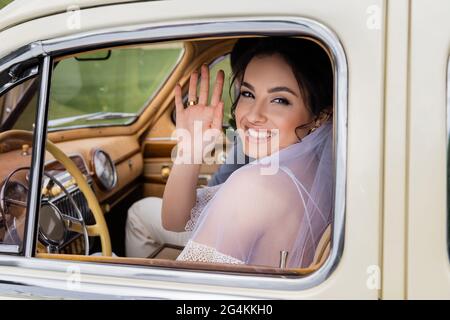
(323,117)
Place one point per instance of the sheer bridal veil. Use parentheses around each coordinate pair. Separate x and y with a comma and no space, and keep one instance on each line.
(253,216)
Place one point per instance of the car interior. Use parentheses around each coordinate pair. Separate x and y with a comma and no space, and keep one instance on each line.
(109,143)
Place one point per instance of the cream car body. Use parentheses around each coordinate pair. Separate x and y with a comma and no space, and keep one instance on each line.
(391,132)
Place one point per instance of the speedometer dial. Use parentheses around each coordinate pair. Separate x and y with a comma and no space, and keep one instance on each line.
(104,169)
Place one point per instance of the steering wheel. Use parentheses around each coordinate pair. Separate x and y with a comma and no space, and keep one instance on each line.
(100,227)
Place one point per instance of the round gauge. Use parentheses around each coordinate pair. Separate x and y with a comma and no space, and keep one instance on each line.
(104,170)
(16,191)
(13,206)
(14,198)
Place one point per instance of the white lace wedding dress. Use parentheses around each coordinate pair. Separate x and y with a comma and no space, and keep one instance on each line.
(259,212)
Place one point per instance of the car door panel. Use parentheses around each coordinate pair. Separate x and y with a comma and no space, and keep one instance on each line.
(363,44)
(428,266)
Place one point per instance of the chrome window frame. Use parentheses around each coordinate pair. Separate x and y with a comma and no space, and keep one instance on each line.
(292,26)
(17,81)
(447,156)
(37,158)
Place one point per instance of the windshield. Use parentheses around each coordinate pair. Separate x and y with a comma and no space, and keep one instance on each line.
(109,87)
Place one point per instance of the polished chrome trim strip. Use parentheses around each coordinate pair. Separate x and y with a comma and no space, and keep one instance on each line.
(161,139)
(56,280)
(448,153)
(265,26)
(9,248)
(31,73)
(37,159)
(448,99)
(97,125)
(28,52)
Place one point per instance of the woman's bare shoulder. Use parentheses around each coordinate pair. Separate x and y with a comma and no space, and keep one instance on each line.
(259,175)
(252,183)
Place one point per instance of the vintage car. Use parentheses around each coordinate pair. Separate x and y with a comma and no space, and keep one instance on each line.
(86,123)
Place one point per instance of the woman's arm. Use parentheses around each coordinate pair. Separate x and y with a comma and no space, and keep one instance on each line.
(180,191)
(179,196)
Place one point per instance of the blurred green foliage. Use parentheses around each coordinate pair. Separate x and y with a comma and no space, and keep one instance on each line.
(122,80)
(4,3)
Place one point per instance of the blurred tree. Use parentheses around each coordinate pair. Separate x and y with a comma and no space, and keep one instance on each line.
(4,3)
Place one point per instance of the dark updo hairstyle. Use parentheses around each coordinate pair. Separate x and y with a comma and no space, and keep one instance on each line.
(309,63)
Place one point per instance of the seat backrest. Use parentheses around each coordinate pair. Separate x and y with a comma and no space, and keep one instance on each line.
(323,249)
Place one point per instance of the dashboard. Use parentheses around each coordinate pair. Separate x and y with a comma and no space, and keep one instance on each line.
(110,165)
(122,152)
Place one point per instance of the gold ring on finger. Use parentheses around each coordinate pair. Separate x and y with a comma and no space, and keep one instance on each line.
(191,103)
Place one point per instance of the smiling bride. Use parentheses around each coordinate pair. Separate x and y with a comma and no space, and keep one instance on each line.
(283,117)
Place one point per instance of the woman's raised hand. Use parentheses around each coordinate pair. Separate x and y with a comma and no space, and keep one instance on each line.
(211,116)
(200,118)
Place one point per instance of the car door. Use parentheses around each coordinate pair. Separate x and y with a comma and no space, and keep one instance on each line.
(427,259)
(355,34)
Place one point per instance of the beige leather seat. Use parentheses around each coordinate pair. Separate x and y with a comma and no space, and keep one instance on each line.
(321,254)
(323,249)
